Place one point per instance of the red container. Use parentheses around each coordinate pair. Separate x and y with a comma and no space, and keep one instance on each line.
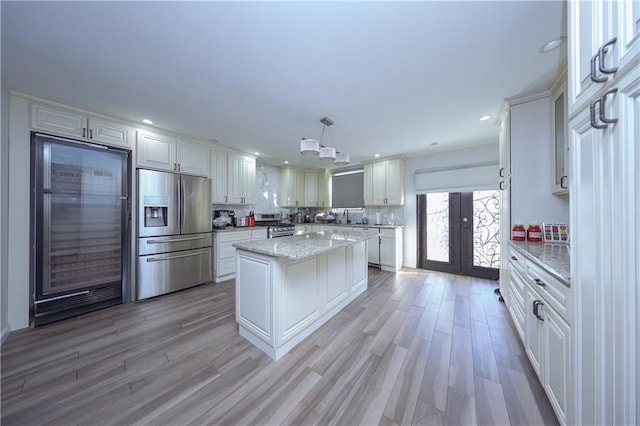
(518,233)
(534,233)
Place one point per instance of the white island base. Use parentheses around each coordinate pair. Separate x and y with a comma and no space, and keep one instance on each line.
(280,301)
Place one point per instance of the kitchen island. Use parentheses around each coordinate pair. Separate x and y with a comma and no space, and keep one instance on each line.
(286,288)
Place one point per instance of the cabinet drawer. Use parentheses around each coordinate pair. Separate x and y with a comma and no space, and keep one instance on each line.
(259,234)
(226,250)
(517,262)
(553,291)
(233,236)
(225,266)
(388,233)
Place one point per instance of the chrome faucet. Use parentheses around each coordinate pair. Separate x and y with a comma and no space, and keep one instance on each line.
(346,212)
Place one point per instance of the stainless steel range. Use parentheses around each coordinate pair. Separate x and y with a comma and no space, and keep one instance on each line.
(275,226)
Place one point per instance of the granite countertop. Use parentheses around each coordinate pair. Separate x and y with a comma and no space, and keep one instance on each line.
(357,225)
(302,246)
(552,257)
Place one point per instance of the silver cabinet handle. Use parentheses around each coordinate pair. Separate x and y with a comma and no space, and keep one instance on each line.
(603,98)
(90,133)
(539,282)
(501,173)
(501,186)
(84,132)
(592,115)
(593,75)
(601,52)
(563,182)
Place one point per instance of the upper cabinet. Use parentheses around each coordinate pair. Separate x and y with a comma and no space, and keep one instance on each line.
(384,183)
(162,152)
(291,187)
(233,178)
(560,140)
(76,125)
(316,188)
(606,38)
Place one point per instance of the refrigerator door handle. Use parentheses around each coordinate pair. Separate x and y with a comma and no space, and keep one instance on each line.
(182,202)
(178,256)
(173,240)
(46,243)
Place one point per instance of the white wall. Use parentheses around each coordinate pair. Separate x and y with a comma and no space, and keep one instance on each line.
(461,157)
(4,213)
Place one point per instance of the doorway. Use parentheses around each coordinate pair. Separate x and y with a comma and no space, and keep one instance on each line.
(459,232)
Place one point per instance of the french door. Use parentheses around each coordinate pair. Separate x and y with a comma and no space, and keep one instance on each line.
(459,232)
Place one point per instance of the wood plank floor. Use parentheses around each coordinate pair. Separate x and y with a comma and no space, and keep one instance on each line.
(418,347)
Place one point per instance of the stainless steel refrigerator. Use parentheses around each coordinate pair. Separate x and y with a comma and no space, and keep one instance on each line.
(174,232)
(79,227)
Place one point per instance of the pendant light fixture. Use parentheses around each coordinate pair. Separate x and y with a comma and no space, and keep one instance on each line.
(311,147)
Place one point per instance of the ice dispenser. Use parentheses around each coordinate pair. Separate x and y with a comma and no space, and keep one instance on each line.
(155,212)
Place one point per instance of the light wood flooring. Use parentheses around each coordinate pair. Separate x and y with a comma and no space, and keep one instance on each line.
(418,347)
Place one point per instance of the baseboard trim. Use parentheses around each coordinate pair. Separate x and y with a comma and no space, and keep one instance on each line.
(5,334)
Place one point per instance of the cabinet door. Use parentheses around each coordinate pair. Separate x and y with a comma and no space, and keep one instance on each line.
(394,182)
(388,251)
(110,133)
(560,151)
(626,26)
(193,158)
(249,180)
(368,184)
(299,187)
(324,183)
(218,177)
(534,330)
(235,165)
(505,146)
(156,151)
(58,121)
(311,189)
(379,183)
(556,362)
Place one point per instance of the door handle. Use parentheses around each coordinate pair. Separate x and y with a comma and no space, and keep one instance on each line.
(536,305)
(593,74)
(601,52)
(563,182)
(603,98)
(592,115)
(539,282)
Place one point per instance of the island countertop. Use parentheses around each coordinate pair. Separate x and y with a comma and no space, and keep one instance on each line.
(299,247)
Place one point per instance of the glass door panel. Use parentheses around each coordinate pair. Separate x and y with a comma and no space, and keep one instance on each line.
(438,226)
(486,229)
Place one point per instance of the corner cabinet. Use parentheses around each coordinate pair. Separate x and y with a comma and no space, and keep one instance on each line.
(604,140)
(76,125)
(384,183)
(163,152)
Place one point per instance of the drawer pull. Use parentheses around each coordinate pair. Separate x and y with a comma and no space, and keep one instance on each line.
(536,304)
(539,282)
(514,258)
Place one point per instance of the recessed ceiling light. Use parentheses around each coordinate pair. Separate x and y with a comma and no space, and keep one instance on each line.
(376,155)
(433,143)
(485,117)
(256,153)
(286,162)
(147,121)
(552,45)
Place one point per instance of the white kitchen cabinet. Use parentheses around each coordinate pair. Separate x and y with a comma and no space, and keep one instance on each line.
(76,125)
(291,187)
(219,177)
(324,189)
(223,255)
(163,152)
(534,332)
(311,187)
(384,183)
(604,35)
(605,253)
(241,181)
(233,178)
(555,341)
(391,249)
(560,141)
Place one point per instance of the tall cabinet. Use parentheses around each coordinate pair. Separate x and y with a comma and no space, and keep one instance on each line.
(604,183)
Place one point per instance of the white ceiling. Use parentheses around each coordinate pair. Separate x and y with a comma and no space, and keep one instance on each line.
(257,76)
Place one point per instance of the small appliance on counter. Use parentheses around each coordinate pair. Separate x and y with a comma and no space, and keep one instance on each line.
(240,221)
(222,218)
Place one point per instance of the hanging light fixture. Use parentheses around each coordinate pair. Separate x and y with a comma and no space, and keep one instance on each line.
(325,153)
(309,147)
(342,158)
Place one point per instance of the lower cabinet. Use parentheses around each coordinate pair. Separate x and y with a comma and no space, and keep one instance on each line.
(224,254)
(391,249)
(539,306)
